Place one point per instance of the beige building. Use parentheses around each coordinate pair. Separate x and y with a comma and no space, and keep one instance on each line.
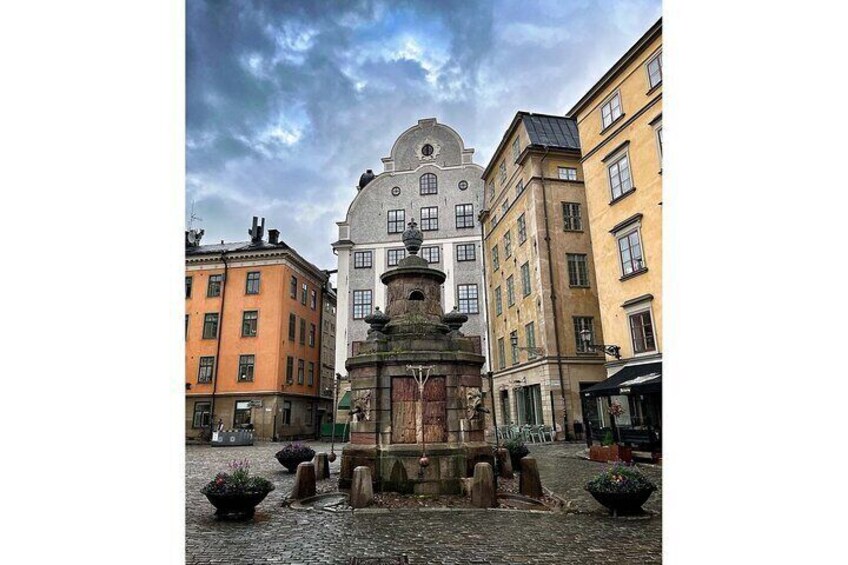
(620,126)
(541,289)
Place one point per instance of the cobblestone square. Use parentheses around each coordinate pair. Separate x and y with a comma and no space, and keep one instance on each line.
(582,534)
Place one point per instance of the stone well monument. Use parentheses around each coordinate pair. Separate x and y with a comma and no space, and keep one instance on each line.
(416,412)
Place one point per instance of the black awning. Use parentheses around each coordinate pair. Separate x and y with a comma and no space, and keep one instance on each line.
(633,379)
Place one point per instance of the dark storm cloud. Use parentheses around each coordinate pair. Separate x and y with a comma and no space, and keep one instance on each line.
(288,102)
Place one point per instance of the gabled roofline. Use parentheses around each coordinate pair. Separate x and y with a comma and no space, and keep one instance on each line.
(619,65)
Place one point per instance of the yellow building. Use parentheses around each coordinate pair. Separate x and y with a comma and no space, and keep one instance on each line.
(620,125)
(539,274)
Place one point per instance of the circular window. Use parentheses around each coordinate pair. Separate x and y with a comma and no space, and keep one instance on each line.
(396,191)
(463,184)
(427,150)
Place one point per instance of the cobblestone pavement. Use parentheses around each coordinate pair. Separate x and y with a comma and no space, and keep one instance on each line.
(284,536)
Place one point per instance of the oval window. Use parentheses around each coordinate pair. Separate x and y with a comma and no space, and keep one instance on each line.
(427,150)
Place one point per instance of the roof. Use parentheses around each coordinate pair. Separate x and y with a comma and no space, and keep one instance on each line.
(232,247)
(545,130)
(635,379)
(619,65)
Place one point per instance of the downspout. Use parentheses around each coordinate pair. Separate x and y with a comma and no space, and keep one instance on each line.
(490,374)
(218,344)
(567,428)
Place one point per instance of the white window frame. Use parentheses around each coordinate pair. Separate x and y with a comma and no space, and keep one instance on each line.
(638,308)
(627,232)
(565,173)
(615,162)
(609,103)
(657,58)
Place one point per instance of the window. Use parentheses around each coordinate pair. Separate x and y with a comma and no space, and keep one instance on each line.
(659,143)
(287,412)
(396,220)
(498,301)
(464,216)
(502,171)
(504,207)
(496,264)
(188,287)
(655,70)
(428,184)
(245,369)
(361,304)
(310,376)
(571,216)
(186,326)
(304,288)
(362,259)
(393,256)
(312,329)
(611,110)
(642,332)
(522,230)
(567,173)
(427,150)
(289,369)
(249,323)
(501,353)
(431,254)
(510,291)
(525,279)
(214,287)
(630,252)
(204,371)
(292,327)
(578,273)
(467,298)
(430,218)
(210,326)
(241,417)
(293,287)
(619,175)
(581,323)
(519,188)
(300,363)
(530,336)
(466,252)
(508,244)
(491,189)
(313,299)
(252,283)
(513,342)
(302,331)
(515,149)
(202,415)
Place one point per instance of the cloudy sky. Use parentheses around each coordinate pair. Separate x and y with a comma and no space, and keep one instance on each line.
(288,102)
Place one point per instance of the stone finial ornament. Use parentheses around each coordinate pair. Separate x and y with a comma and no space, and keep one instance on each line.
(412,238)
(454,319)
(377,321)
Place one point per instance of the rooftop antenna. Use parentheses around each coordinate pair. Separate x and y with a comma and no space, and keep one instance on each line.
(192,216)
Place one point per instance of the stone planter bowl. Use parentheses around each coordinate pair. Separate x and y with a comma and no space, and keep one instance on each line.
(623,503)
(236,506)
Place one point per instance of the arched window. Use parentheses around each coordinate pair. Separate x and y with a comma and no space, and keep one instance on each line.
(416,295)
(428,184)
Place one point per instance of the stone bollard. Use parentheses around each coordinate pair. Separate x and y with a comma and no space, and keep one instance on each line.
(304,481)
(361,490)
(529,483)
(504,464)
(483,487)
(322,466)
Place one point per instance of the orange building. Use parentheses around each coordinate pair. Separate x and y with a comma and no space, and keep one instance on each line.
(253,330)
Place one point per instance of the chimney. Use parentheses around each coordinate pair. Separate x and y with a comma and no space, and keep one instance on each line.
(257,231)
(274,236)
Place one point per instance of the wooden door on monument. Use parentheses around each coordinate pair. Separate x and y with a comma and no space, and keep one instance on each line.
(405,411)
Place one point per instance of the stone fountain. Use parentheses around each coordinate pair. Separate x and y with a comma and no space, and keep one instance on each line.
(417,411)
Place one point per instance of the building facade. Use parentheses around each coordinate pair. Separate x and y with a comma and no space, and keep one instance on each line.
(429,176)
(539,274)
(252,322)
(620,125)
(328,345)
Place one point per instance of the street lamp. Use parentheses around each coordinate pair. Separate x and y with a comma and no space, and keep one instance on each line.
(536,351)
(586,338)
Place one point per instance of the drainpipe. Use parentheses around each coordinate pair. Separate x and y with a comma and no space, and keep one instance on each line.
(569,432)
(218,344)
(489,373)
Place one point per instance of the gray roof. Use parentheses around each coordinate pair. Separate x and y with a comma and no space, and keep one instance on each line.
(231,247)
(552,131)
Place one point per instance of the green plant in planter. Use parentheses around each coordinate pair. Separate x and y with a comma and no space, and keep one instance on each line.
(517,449)
(619,479)
(608,439)
(293,455)
(237,482)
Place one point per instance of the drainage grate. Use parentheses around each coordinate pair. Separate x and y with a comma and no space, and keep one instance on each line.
(402,560)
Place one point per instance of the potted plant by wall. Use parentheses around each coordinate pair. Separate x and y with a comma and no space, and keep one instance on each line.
(517,450)
(621,489)
(293,455)
(609,450)
(236,494)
